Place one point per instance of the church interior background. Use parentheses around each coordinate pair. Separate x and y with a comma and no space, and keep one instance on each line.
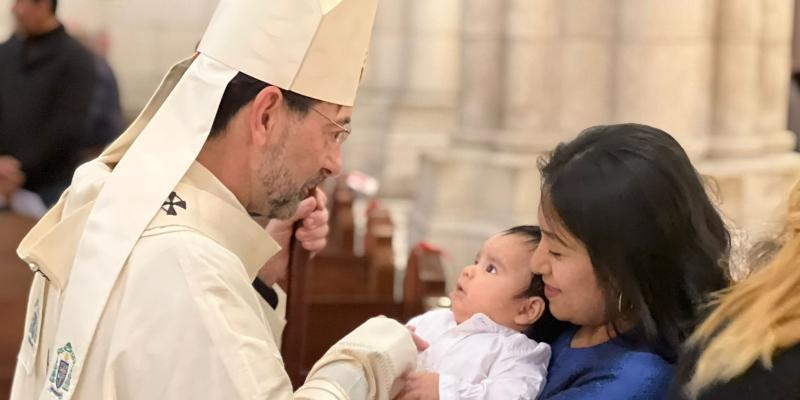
(461,97)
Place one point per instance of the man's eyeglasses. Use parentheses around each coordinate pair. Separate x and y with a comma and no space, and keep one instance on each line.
(339,136)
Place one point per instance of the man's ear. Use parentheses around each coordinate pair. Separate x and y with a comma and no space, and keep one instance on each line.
(530,311)
(263,114)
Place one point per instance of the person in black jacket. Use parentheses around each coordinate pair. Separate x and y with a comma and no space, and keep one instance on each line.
(46,83)
(749,346)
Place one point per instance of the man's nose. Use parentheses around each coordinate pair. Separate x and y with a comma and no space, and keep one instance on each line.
(333,163)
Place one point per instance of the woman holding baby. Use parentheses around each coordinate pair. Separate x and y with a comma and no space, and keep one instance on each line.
(631,249)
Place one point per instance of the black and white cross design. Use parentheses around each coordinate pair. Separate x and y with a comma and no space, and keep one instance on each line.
(173,201)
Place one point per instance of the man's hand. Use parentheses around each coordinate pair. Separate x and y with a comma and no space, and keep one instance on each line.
(11,175)
(312,235)
(420,386)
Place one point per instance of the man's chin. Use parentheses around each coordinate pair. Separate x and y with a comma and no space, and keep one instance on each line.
(282,212)
(283,209)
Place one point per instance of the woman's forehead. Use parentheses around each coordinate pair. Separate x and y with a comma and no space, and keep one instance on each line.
(553,226)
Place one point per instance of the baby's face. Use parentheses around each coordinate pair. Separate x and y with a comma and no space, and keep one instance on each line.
(494,283)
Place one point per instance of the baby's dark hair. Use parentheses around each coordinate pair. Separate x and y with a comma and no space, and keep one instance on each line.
(534,235)
(547,328)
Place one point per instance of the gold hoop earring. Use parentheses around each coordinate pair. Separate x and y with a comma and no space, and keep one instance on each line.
(619,302)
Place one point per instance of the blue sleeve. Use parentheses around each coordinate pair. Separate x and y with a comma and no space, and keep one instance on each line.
(639,377)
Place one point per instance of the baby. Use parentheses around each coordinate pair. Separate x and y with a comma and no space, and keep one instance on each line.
(478,349)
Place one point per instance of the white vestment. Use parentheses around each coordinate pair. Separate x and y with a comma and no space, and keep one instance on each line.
(183,320)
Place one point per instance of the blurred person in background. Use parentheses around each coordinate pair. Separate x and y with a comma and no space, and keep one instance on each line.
(47,80)
(105,121)
(749,347)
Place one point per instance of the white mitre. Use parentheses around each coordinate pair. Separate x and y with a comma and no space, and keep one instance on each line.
(313,47)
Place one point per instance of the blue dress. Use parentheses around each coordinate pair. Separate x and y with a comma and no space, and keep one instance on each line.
(609,371)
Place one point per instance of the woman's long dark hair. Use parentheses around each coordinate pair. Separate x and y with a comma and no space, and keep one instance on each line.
(658,245)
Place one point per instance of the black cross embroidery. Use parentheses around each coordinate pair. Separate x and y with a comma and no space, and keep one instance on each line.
(173,201)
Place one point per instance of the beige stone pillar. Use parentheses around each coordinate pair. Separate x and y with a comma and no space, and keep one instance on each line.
(366,149)
(482,75)
(533,74)
(663,68)
(587,65)
(149,36)
(480,185)
(775,75)
(737,79)
(146,37)
(424,114)
(6,19)
(465,195)
(752,159)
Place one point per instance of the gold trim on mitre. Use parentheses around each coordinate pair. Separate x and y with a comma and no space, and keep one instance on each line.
(313,47)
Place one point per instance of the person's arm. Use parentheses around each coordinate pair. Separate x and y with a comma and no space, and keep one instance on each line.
(105,110)
(373,358)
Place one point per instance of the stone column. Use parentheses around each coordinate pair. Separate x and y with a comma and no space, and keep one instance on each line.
(737,79)
(560,66)
(752,160)
(366,150)
(480,185)
(533,75)
(663,68)
(425,113)
(776,44)
(6,19)
(146,37)
(587,65)
(482,89)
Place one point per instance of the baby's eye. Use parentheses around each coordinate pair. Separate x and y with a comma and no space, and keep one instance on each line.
(555,254)
(491,269)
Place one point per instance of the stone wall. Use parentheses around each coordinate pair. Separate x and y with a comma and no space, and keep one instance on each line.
(715,74)
(146,38)
(6,20)
(460,97)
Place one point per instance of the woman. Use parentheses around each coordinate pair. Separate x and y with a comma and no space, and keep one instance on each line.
(631,246)
(750,344)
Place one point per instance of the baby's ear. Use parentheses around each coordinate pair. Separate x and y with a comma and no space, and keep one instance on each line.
(530,311)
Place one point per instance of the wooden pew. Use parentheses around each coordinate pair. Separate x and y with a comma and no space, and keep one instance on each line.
(379,253)
(424,282)
(16,278)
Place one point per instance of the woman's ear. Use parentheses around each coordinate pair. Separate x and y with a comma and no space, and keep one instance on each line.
(530,311)
(263,114)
